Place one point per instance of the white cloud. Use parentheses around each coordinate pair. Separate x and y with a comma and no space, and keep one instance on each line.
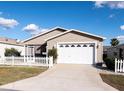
(120,38)
(34,29)
(31,28)
(111,4)
(111,15)
(99,3)
(122,27)
(8,23)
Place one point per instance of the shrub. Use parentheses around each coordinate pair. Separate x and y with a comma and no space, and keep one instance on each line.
(53,52)
(104,56)
(110,63)
(12,52)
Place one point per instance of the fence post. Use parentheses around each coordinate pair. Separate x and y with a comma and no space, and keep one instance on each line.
(24,53)
(115,65)
(12,60)
(3,59)
(47,64)
(123,66)
(50,61)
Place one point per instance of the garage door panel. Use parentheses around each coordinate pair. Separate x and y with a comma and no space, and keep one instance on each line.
(82,54)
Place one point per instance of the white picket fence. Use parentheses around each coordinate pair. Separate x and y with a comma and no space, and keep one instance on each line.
(119,65)
(32,61)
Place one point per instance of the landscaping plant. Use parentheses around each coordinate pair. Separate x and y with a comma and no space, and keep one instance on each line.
(110,63)
(53,52)
(12,52)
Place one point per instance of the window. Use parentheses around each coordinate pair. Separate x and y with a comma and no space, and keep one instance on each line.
(78,45)
(61,46)
(84,45)
(72,46)
(91,45)
(66,45)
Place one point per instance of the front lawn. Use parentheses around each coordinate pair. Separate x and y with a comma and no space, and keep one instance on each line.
(11,74)
(116,81)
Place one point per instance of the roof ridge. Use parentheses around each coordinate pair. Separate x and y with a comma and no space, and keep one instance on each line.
(76,31)
(44,33)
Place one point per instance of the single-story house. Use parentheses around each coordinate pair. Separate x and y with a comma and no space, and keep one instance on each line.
(116,51)
(73,46)
(10,43)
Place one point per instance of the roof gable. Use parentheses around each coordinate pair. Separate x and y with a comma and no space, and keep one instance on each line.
(40,34)
(79,32)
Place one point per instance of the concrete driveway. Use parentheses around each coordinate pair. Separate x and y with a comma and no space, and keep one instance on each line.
(63,77)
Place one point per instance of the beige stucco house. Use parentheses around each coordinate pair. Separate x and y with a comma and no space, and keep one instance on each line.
(73,46)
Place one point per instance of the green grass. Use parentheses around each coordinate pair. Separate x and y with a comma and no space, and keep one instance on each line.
(11,74)
(116,81)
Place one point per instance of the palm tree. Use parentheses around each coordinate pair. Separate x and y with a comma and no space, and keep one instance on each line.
(114,42)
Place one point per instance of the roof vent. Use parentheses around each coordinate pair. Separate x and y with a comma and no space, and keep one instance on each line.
(6,39)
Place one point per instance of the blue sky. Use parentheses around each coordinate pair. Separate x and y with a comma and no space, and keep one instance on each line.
(19,19)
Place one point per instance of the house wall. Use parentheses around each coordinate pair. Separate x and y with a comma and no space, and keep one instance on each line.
(41,38)
(3,46)
(112,50)
(73,37)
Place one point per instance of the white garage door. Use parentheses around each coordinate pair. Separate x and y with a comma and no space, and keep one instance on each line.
(76,53)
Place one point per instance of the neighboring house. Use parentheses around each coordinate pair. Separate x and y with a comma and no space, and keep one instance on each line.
(73,46)
(116,52)
(10,43)
(105,49)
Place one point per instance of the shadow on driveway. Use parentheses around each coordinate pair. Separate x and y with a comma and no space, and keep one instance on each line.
(3,89)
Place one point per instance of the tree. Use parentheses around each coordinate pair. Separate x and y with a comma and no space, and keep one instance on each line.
(114,42)
(53,52)
(12,52)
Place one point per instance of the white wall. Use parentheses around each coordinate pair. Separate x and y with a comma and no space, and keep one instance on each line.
(4,46)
